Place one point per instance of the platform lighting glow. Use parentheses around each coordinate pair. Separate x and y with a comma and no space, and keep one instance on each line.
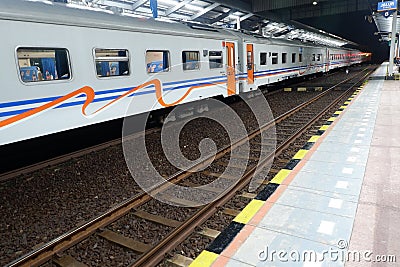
(169,2)
(315,3)
(43,1)
(193,7)
(233,17)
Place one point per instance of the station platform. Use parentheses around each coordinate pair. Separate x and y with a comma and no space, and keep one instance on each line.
(337,203)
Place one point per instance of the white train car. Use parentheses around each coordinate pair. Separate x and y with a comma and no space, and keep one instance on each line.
(338,58)
(79,67)
(269,61)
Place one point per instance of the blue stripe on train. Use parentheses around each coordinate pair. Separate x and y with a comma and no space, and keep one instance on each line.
(120,90)
(110,98)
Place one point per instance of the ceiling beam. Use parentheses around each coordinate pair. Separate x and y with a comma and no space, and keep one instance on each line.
(177,7)
(122,5)
(324,8)
(205,10)
(222,16)
(246,16)
(239,5)
(138,4)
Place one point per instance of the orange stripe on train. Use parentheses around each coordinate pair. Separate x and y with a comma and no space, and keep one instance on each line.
(90,95)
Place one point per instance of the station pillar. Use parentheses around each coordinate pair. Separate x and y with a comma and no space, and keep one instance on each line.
(393,44)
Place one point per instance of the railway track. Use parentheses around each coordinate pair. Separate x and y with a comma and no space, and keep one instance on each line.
(81,152)
(302,117)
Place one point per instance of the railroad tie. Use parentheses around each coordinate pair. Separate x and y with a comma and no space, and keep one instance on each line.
(211,233)
(179,261)
(68,261)
(125,241)
(157,219)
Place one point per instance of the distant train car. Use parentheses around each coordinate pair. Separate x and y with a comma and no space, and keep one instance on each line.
(64,68)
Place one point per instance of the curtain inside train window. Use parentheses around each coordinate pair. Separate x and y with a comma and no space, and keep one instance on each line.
(191,60)
(112,62)
(274,58)
(157,61)
(43,64)
(215,59)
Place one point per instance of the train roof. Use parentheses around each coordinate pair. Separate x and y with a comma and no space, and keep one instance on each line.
(255,38)
(54,13)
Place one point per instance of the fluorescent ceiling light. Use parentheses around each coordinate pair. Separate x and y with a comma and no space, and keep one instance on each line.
(193,7)
(169,2)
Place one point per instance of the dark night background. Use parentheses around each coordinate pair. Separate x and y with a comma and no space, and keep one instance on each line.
(353,27)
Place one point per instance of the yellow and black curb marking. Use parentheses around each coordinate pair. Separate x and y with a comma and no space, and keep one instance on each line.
(212,252)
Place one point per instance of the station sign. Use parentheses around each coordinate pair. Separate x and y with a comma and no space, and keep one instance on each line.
(387,6)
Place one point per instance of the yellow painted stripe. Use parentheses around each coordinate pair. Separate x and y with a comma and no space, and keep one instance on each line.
(280,176)
(205,259)
(314,139)
(343,107)
(300,154)
(351,98)
(249,211)
(324,128)
(338,112)
(332,119)
(347,102)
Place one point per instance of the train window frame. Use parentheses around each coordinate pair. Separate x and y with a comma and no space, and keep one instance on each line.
(284,58)
(300,58)
(43,82)
(112,76)
(222,59)
(275,58)
(197,64)
(166,70)
(265,60)
(294,56)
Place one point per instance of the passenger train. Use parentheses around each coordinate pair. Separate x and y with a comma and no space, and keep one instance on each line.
(63,68)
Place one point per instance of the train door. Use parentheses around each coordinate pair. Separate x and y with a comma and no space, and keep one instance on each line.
(230,68)
(250,64)
(328,60)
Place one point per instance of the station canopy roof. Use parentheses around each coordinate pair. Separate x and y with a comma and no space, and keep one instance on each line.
(384,25)
(221,13)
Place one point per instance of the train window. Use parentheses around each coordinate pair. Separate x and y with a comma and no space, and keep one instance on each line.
(300,57)
(43,64)
(157,61)
(191,60)
(250,63)
(274,58)
(263,59)
(111,62)
(215,59)
(319,57)
(293,57)
(284,58)
(313,57)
